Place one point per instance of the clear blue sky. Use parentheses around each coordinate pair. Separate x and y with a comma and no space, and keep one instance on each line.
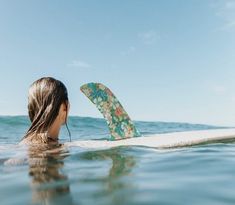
(165,60)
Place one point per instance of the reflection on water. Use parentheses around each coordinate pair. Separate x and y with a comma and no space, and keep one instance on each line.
(51,185)
(114,185)
(121,163)
(48,182)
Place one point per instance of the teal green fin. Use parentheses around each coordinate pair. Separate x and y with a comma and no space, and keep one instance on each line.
(119,123)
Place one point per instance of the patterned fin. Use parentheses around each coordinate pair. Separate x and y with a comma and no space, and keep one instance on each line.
(119,123)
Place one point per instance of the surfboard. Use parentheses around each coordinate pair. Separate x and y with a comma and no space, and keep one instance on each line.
(124,133)
(164,141)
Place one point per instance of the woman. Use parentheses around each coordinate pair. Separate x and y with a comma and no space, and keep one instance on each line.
(48,108)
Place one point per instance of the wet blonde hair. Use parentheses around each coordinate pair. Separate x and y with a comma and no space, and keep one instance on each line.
(44,100)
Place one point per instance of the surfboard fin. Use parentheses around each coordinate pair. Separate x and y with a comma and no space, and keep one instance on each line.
(119,123)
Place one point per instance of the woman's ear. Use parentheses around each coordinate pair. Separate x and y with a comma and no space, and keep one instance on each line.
(63,113)
(65,108)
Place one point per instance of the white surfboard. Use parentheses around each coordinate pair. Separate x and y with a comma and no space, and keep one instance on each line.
(163,141)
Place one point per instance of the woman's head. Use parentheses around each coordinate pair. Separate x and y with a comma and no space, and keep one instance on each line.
(46,96)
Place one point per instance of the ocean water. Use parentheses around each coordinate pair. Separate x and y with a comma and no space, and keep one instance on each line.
(203,174)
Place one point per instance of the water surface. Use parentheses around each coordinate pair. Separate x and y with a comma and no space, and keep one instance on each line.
(202,174)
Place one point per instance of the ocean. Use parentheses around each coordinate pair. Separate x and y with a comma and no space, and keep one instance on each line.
(202,174)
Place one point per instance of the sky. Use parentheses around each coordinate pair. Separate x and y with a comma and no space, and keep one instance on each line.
(165,60)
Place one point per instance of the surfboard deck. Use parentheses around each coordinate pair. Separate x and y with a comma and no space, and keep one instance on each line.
(164,141)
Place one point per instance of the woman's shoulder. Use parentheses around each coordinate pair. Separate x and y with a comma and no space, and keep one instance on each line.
(33,139)
(39,140)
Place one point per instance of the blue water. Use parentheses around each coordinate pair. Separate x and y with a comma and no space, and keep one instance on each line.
(202,174)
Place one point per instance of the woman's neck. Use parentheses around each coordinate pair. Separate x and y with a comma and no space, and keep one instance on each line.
(54,130)
(54,133)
